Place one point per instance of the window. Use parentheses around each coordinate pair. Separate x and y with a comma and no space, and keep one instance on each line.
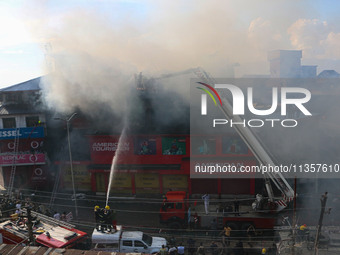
(127,243)
(173,145)
(234,145)
(147,239)
(178,205)
(203,145)
(32,121)
(9,122)
(139,244)
(170,205)
(145,146)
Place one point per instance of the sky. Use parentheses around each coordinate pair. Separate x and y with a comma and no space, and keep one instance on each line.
(163,36)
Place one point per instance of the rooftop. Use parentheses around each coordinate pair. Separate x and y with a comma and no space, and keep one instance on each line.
(30,85)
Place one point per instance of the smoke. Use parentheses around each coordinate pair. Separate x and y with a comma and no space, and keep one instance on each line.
(93,52)
(95,49)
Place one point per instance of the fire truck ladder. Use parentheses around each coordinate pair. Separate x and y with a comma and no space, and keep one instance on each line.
(55,188)
(49,220)
(14,163)
(257,148)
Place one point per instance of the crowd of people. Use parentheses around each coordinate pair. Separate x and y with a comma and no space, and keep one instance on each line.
(15,204)
(199,247)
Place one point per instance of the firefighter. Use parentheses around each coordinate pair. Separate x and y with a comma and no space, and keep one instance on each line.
(302,232)
(98,216)
(107,215)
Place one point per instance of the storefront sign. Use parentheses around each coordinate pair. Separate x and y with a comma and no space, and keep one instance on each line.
(175,182)
(7,159)
(30,132)
(121,181)
(103,148)
(24,145)
(82,177)
(39,174)
(149,181)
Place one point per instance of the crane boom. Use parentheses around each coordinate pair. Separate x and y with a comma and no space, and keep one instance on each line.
(256,147)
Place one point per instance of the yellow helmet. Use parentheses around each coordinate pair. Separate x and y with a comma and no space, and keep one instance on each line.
(264,251)
(107,207)
(96,207)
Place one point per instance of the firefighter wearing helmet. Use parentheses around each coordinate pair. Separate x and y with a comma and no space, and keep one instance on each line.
(110,218)
(98,214)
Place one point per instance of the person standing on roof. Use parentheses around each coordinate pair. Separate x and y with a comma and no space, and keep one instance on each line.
(206,199)
(98,216)
(108,218)
(236,207)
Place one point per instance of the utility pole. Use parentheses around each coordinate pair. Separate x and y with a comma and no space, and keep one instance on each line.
(67,120)
(318,231)
(29,225)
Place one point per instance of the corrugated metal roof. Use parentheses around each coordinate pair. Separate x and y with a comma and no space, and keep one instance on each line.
(9,249)
(33,84)
(14,109)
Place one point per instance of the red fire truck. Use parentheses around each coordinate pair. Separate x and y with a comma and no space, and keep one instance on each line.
(175,206)
(48,232)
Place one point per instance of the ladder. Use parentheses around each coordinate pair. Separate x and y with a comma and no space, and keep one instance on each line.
(55,188)
(14,163)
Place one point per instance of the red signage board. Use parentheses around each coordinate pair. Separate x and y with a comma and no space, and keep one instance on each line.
(22,159)
(35,144)
(139,150)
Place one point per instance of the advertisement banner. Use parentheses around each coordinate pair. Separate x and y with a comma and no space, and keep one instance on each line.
(7,159)
(39,174)
(121,181)
(147,181)
(145,146)
(234,145)
(103,148)
(177,182)
(173,145)
(35,144)
(29,132)
(82,177)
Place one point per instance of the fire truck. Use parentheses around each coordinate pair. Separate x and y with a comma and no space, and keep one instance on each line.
(47,231)
(175,207)
(260,214)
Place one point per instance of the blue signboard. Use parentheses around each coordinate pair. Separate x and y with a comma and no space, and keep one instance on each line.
(29,132)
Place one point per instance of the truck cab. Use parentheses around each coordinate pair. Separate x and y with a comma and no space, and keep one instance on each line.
(173,211)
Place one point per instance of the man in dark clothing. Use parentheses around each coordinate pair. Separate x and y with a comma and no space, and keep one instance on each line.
(236,207)
(200,249)
(238,250)
(98,216)
(191,246)
(214,248)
